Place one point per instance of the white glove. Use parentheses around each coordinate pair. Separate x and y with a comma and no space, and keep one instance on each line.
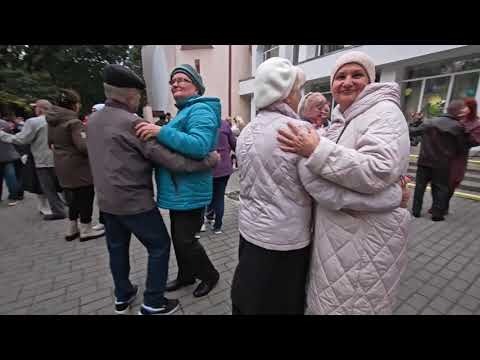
(23,159)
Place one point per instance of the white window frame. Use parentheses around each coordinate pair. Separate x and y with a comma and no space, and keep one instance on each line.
(265,52)
(450,85)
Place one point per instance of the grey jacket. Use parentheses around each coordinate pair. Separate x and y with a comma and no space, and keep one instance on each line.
(35,134)
(7,151)
(122,164)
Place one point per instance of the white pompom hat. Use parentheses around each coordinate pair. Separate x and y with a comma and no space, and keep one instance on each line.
(356,57)
(274,80)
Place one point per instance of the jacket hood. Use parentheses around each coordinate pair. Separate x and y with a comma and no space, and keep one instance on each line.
(58,115)
(212,102)
(370,96)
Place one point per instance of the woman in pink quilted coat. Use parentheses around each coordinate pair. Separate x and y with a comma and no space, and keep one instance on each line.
(358,251)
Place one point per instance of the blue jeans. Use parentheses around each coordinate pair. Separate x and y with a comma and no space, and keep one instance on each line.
(150,229)
(7,171)
(217,206)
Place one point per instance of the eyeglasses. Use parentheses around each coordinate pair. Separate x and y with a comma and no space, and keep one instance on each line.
(179,81)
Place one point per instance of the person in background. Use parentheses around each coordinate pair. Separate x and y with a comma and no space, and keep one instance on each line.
(315,109)
(122,171)
(8,156)
(17,123)
(67,138)
(443,140)
(162,118)
(237,124)
(221,173)
(471,124)
(35,133)
(193,133)
(417,119)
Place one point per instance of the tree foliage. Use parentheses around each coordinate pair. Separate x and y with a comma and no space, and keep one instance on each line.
(29,72)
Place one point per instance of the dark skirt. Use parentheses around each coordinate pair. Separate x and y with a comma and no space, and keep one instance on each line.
(268,281)
(30,178)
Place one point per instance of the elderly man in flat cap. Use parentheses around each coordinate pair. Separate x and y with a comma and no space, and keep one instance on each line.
(35,134)
(122,167)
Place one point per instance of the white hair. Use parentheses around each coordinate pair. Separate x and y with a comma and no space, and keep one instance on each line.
(117,93)
(309,100)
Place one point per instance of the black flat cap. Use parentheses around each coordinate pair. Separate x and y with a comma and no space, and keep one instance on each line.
(122,77)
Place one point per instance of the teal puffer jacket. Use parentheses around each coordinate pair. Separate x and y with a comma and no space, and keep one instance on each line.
(192,133)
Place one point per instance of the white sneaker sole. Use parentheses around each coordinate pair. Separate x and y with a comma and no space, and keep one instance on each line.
(129,308)
(91,237)
(168,313)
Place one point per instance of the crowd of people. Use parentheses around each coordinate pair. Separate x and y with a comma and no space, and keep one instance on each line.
(445,142)
(323,223)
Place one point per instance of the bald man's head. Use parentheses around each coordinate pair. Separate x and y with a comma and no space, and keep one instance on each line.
(41,107)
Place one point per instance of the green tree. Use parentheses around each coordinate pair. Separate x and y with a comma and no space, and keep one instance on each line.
(29,72)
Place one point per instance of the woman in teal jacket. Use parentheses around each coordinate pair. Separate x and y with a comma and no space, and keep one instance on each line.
(193,133)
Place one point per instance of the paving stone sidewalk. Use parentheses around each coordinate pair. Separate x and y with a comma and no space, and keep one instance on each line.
(40,273)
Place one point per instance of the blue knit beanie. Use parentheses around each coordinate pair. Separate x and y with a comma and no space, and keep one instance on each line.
(192,75)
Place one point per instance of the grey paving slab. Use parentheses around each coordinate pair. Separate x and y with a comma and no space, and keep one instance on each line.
(40,273)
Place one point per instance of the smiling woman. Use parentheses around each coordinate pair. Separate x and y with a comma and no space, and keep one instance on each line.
(193,133)
(354,174)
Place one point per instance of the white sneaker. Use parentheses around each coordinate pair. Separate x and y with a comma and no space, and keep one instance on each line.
(203,228)
(13,202)
(87,232)
(98,227)
(197,236)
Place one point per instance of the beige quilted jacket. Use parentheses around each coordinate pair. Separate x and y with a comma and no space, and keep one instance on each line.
(359,246)
(275,209)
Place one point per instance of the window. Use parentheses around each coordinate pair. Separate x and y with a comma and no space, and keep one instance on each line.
(197,65)
(326,49)
(270,51)
(411,97)
(307,52)
(444,67)
(465,85)
(435,96)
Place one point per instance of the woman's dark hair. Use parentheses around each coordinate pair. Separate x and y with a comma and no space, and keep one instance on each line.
(68,98)
(471,103)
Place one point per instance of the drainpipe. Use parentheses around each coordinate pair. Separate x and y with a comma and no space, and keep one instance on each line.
(229,80)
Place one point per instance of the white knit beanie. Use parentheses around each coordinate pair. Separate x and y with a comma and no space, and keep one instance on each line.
(356,57)
(273,82)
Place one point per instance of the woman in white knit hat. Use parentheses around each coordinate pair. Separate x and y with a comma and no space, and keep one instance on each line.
(353,172)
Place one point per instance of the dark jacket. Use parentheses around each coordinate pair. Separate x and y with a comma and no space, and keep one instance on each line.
(122,164)
(443,139)
(67,135)
(7,151)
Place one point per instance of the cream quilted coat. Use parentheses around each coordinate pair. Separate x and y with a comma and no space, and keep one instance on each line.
(359,246)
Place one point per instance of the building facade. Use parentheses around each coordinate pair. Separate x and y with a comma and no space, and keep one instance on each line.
(430,75)
(221,67)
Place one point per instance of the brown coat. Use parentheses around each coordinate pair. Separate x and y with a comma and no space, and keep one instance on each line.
(67,134)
